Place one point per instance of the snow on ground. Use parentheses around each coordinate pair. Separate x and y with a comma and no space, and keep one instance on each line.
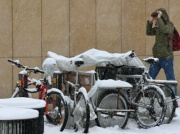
(131,128)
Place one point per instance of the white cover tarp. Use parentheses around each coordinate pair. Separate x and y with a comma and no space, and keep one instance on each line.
(95,57)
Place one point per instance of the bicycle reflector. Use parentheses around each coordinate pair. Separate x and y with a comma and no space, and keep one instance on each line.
(57,80)
(23,79)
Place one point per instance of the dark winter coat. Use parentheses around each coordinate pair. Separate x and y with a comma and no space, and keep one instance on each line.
(164,28)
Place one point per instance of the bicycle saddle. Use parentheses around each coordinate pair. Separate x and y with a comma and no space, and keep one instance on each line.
(151,60)
(79,62)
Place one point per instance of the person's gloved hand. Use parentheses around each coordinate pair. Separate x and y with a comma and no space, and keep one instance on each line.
(159,14)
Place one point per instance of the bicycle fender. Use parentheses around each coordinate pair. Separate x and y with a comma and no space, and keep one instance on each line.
(92,112)
(84,92)
(65,98)
(158,89)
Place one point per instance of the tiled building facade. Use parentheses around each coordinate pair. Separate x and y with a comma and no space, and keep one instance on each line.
(30,28)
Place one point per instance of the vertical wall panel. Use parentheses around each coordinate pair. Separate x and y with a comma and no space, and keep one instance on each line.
(108,20)
(6,28)
(6,78)
(26,28)
(174,16)
(82,26)
(5,48)
(55,26)
(174,12)
(151,6)
(133,26)
(30,28)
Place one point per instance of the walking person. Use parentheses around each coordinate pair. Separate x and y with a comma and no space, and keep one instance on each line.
(162,28)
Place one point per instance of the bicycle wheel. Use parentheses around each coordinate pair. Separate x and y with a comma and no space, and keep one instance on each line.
(150,107)
(170,102)
(57,109)
(112,100)
(82,112)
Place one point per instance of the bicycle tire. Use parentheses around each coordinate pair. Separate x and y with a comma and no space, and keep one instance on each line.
(15,93)
(170,102)
(55,99)
(147,117)
(82,112)
(108,100)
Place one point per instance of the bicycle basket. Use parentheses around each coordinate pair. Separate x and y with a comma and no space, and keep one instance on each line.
(106,72)
(131,70)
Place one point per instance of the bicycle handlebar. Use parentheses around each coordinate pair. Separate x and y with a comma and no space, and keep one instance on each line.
(35,70)
(16,62)
(132,54)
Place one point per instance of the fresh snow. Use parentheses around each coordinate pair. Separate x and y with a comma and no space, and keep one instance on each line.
(22,102)
(49,66)
(23,72)
(12,113)
(151,58)
(94,57)
(105,84)
(131,128)
(113,84)
(57,91)
(90,58)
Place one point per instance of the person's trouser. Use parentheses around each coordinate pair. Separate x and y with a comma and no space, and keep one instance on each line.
(168,67)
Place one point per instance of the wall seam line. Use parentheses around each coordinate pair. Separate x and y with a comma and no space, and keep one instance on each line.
(69,28)
(96,45)
(41,34)
(12,49)
(121,25)
(145,28)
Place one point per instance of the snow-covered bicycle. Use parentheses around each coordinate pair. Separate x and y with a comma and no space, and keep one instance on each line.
(167,87)
(147,101)
(56,110)
(106,96)
(75,96)
(108,112)
(139,77)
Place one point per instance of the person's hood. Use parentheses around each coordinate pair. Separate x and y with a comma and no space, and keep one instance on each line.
(164,14)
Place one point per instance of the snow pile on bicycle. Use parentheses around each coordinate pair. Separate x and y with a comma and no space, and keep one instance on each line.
(119,88)
(94,57)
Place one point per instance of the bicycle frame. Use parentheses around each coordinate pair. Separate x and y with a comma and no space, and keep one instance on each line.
(168,83)
(24,81)
(76,87)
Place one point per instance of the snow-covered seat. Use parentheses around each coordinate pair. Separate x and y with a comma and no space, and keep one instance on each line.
(151,60)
